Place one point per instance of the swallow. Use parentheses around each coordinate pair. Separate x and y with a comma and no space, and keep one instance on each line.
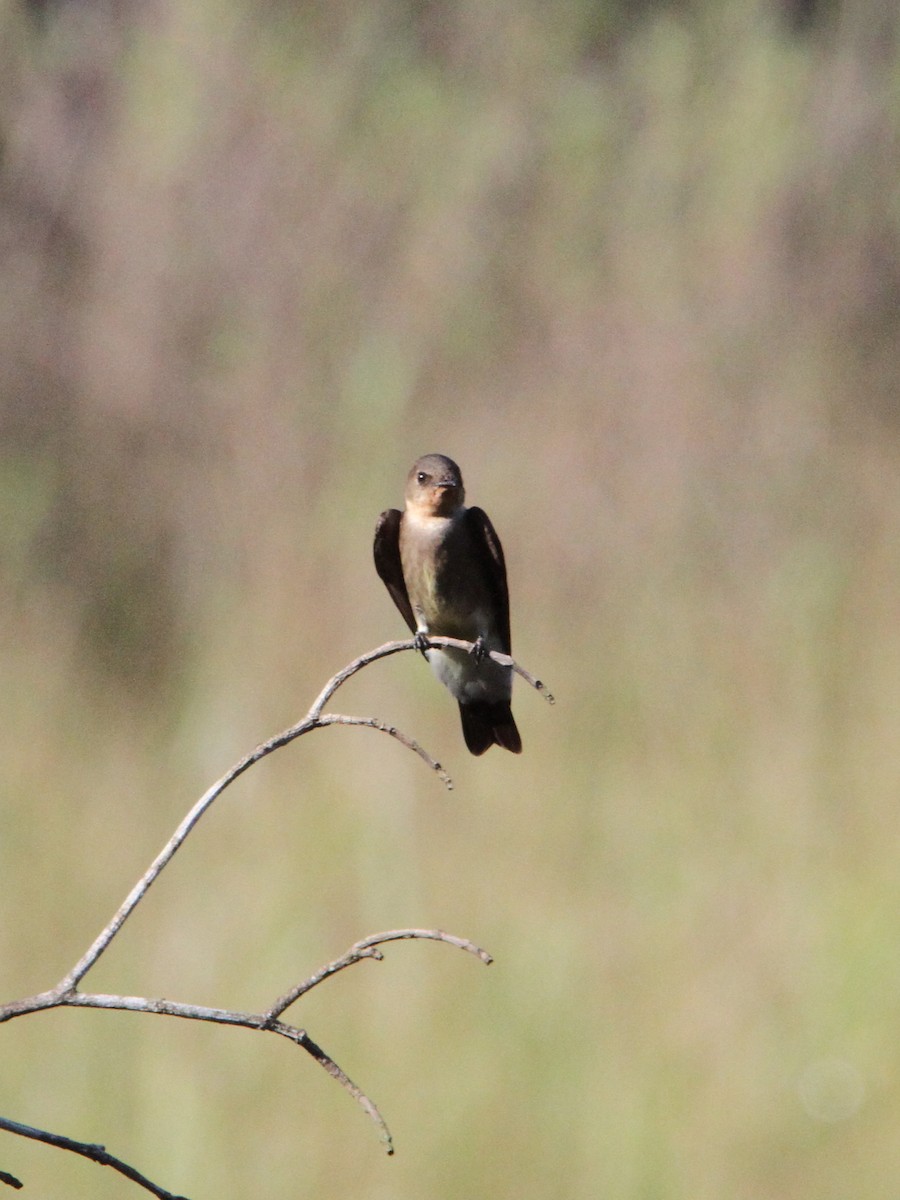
(443,565)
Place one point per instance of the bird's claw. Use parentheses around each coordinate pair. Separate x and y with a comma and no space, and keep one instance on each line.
(420,641)
(478,651)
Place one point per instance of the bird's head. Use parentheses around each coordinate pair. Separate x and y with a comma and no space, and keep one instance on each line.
(434,486)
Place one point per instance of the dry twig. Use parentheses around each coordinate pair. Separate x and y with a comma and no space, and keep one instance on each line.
(67,994)
(95,1153)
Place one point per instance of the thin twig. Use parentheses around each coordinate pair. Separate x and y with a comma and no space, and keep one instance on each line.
(97,1154)
(410,743)
(367,948)
(350,670)
(443,643)
(503,660)
(326,1061)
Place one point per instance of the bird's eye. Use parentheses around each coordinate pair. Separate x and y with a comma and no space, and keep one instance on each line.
(422,477)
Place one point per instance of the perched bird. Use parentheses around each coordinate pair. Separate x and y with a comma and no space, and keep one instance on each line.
(443,566)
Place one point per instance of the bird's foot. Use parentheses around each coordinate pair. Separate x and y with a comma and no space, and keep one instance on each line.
(478,651)
(421,641)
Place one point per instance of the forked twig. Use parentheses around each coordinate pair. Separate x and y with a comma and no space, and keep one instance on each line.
(66,993)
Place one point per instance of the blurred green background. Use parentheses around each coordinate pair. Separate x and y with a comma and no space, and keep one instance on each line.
(636,267)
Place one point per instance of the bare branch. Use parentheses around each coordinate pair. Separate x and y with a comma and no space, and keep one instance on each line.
(504,660)
(66,993)
(313,720)
(444,643)
(165,856)
(335,1072)
(367,949)
(350,670)
(265,1022)
(372,723)
(97,1154)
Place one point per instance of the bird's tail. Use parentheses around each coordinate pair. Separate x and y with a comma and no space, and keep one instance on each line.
(485,725)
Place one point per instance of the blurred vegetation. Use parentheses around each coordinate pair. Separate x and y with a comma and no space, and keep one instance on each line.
(636,266)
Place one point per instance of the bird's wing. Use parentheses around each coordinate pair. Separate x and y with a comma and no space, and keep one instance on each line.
(490,554)
(388,565)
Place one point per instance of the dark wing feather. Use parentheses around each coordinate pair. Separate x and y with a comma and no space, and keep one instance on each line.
(490,554)
(388,564)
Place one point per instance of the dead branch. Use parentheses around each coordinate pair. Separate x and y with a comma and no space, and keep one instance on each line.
(95,1153)
(367,948)
(67,994)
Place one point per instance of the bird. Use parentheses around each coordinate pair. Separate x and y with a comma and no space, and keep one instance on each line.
(443,565)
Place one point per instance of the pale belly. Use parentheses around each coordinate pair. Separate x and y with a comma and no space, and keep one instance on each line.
(467,681)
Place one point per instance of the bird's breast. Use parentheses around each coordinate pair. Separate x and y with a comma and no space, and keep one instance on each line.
(443,582)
